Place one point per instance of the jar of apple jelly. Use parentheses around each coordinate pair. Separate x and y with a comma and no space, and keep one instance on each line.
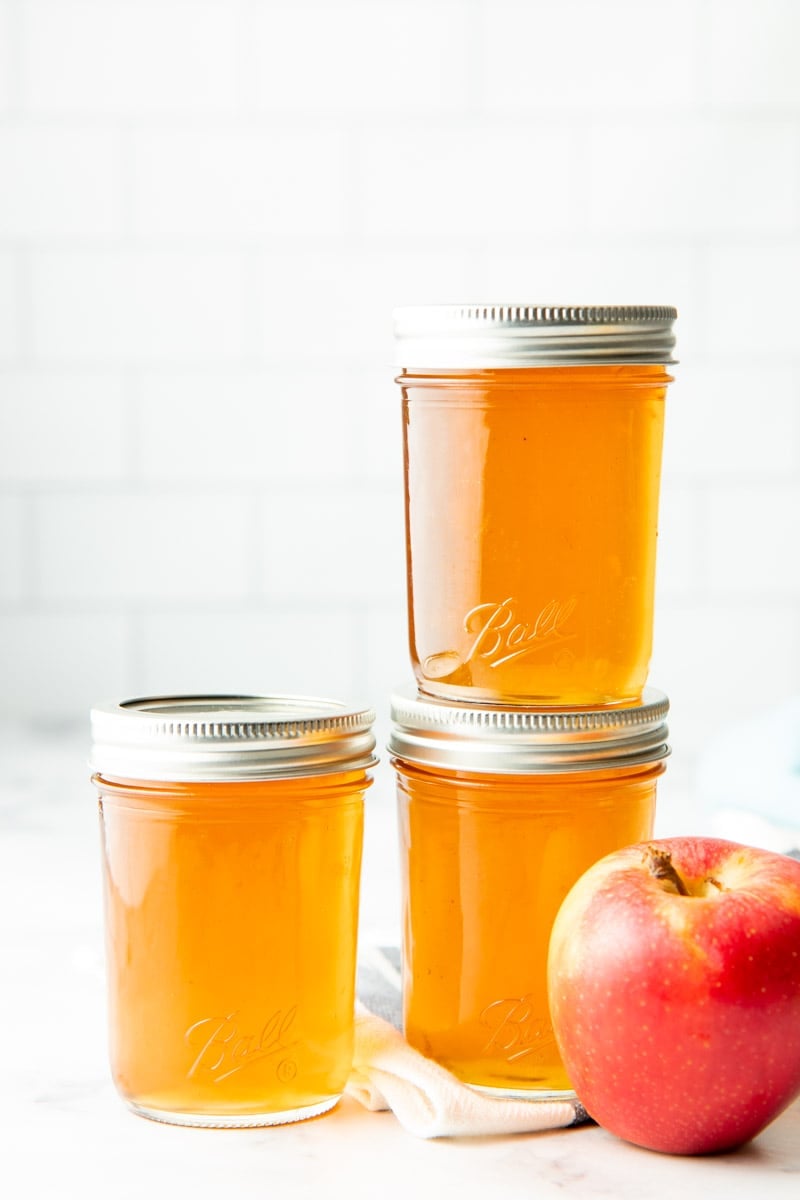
(231,839)
(500,812)
(532,463)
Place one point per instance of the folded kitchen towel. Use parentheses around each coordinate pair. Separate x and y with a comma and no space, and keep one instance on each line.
(426,1099)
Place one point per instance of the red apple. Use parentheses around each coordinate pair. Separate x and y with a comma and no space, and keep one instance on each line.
(674,976)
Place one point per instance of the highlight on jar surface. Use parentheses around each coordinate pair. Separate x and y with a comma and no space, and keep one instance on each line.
(532,440)
(231,831)
(500,812)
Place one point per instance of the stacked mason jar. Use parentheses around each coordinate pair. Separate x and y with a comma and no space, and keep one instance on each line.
(530,745)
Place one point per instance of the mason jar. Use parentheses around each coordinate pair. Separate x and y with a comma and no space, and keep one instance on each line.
(231,832)
(500,812)
(533,441)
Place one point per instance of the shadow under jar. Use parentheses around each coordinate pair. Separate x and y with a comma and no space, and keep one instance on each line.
(231,839)
(532,440)
(500,812)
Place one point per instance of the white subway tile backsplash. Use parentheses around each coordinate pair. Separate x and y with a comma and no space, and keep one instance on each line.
(352,295)
(752,299)
(328,546)
(13,547)
(8,56)
(586,58)
(754,535)
(720,660)
(132,547)
(385,635)
(56,665)
(258,427)
(752,54)
(59,181)
(59,427)
(587,271)
(146,305)
(679,542)
(209,210)
(375,424)
(676,807)
(740,422)
(114,57)
(10,303)
(362,58)
(447,183)
(676,175)
(231,182)
(307,651)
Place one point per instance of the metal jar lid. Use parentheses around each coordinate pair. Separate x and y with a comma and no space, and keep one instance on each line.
(208,738)
(498,741)
(465,336)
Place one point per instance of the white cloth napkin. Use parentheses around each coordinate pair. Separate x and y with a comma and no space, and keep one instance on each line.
(430,1102)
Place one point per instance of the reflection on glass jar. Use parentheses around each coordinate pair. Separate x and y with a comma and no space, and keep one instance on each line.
(532,483)
(231,904)
(500,812)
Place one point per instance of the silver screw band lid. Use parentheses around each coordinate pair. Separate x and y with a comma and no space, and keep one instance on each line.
(210,738)
(433,733)
(465,336)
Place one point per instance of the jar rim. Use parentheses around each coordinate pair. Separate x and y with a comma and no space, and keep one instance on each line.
(502,741)
(210,738)
(498,335)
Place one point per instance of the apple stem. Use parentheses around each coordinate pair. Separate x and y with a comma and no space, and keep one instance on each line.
(660,865)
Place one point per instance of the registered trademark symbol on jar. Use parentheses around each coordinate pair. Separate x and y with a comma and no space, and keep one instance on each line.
(286,1070)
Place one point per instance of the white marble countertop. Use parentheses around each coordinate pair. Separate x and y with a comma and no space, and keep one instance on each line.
(65,1133)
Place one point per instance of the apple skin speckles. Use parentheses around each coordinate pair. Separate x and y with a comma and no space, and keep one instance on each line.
(678,1016)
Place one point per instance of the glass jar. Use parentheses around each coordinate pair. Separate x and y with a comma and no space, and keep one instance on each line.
(231,840)
(532,467)
(500,812)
